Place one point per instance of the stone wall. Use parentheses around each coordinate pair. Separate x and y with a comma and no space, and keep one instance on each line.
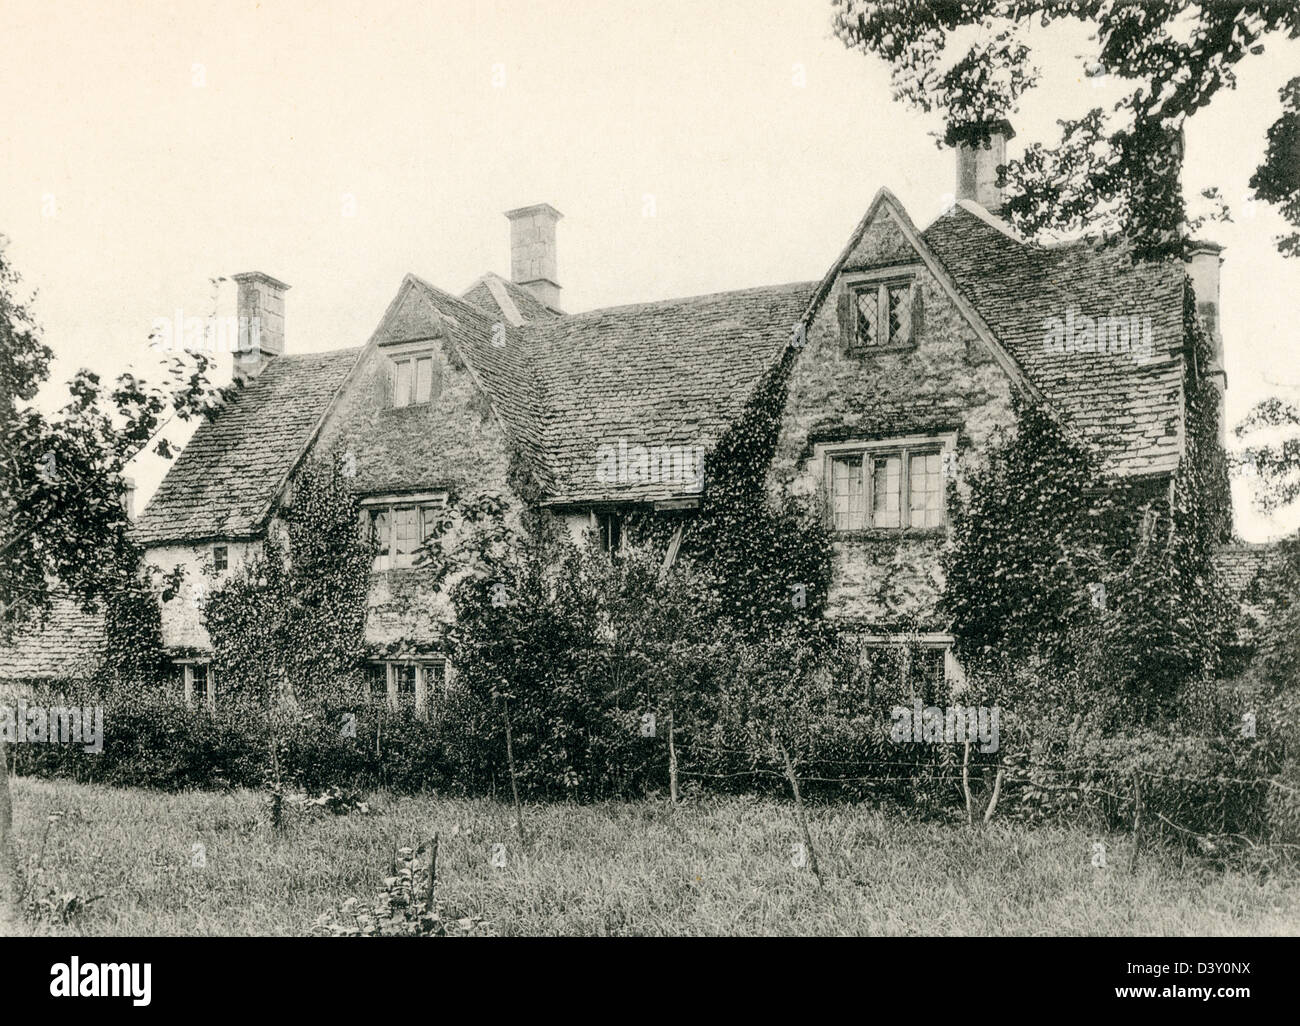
(948,382)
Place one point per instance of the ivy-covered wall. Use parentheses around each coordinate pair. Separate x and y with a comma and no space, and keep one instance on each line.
(949,382)
(453,442)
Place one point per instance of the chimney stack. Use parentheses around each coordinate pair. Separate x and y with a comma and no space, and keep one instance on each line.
(1204,260)
(981,149)
(532,251)
(260,309)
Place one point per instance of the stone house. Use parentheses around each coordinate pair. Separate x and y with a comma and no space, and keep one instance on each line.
(908,351)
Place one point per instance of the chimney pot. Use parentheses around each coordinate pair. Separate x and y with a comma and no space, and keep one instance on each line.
(981,150)
(260,312)
(128,497)
(532,251)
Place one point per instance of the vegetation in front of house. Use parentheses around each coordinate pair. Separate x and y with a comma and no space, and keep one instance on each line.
(207,863)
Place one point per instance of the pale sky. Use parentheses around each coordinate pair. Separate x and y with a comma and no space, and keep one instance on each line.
(146,147)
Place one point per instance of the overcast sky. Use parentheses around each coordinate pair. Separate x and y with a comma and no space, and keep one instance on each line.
(146,147)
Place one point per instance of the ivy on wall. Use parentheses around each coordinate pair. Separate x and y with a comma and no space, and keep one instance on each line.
(772,559)
(294,617)
(1048,561)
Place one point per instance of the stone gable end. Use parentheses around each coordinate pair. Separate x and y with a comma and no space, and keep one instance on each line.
(947,382)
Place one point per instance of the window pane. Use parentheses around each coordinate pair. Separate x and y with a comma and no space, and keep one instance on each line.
(423,379)
(379,531)
(405,680)
(402,383)
(846,492)
(868,301)
(404,543)
(900,314)
(926,473)
(885,491)
(928,674)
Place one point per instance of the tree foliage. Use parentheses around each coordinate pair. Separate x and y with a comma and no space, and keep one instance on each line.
(61,483)
(1119,169)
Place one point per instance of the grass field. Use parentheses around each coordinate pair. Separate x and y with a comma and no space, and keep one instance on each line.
(720,866)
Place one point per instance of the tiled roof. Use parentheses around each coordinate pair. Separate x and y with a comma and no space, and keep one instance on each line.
(224,480)
(673,373)
(1240,566)
(1127,404)
(68,643)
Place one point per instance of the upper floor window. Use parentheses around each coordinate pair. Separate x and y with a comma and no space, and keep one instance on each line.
(882,313)
(886,485)
(220,557)
(412,379)
(400,527)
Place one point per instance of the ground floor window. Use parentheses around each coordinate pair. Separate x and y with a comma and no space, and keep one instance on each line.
(416,684)
(198,684)
(917,666)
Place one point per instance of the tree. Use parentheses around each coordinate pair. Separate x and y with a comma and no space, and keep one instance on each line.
(1117,170)
(61,512)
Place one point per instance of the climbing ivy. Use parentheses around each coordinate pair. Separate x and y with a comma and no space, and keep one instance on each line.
(1050,562)
(293,618)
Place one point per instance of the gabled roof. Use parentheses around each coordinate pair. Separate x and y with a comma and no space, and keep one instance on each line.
(1128,407)
(68,643)
(675,373)
(494,294)
(223,483)
(501,364)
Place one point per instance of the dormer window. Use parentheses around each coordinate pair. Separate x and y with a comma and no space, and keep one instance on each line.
(880,313)
(412,380)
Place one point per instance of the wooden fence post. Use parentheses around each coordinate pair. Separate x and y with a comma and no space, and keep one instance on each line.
(10,918)
(803,818)
(1137,821)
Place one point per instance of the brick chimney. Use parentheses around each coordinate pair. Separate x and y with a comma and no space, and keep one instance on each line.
(981,149)
(532,251)
(1204,260)
(260,309)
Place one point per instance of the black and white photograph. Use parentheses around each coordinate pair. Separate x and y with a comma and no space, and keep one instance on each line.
(538,469)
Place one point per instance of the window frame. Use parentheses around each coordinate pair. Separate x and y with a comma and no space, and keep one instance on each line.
(429,670)
(388,505)
(220,558)
(881,281)
(410,355)
(954,677)
(190,677)
(867,452)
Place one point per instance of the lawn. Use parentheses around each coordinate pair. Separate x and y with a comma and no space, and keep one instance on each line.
(716,866)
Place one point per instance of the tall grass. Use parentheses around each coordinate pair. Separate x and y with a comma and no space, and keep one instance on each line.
(716,867)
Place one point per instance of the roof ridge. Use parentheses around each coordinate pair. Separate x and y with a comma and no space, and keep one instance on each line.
(698,298)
